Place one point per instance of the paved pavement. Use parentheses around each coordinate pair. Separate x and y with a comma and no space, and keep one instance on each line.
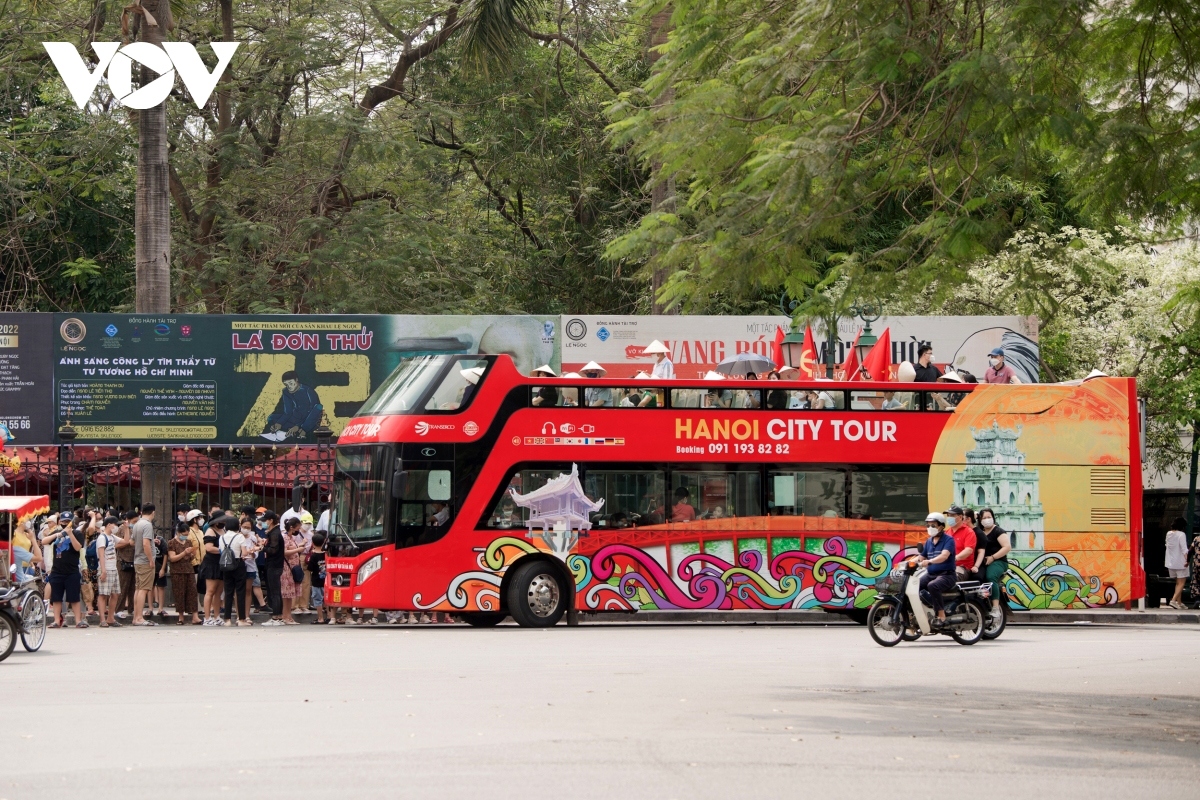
(600,710)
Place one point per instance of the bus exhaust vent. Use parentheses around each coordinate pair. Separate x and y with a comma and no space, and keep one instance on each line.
(1108,480)
(1108,516)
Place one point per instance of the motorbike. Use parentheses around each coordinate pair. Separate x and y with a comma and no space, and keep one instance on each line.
(901,614)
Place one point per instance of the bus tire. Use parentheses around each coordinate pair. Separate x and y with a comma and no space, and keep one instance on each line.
(537,597)
(483,619)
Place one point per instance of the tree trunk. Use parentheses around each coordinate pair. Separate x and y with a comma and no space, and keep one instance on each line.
(152,232)
(152,219)
(662,194)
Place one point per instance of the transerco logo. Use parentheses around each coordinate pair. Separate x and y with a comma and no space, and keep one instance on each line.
(421,428)
(117,62)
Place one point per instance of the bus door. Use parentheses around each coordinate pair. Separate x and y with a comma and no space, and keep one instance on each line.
(425,507)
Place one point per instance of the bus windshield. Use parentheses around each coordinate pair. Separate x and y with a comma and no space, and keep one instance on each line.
(404,391)
(360,492)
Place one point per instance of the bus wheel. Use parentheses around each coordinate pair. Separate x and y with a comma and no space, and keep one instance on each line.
(483,619)
(536,598)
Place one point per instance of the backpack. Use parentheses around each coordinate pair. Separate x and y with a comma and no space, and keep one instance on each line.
(229,559)
(93,561)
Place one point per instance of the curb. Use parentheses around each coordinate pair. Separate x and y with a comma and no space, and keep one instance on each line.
(817,617)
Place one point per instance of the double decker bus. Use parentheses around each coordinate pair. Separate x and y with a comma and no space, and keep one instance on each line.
(465,487)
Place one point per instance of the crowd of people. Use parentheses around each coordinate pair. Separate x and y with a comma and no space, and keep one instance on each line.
(220,566)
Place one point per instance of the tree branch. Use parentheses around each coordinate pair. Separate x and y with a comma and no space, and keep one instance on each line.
(569,42)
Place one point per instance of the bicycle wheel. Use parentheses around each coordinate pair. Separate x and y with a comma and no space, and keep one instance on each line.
(33,621)
(8,635)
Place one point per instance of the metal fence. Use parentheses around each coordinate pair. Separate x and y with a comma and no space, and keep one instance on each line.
(120,478)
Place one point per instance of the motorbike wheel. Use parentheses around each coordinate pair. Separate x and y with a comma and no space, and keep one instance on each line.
(879,623)
(911,637)
(33,622)
(8,636)
(992,628)
(974,632)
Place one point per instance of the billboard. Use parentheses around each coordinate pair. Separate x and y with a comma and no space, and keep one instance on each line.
(208,379)
(699,343)
(26,377)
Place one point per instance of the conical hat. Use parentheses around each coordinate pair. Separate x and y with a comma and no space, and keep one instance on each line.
(713,376)
(656,347)
(592,366)
(473,374)
(545,368)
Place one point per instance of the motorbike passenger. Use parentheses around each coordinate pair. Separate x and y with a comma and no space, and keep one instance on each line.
(995,543)
(937,556)
(964,540)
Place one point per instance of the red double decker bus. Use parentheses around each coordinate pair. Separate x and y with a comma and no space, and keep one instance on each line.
(465,487)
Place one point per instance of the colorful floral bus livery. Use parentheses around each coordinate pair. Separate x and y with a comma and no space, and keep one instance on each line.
(716,496)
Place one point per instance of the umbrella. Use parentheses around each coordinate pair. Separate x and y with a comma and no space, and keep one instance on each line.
(744,364)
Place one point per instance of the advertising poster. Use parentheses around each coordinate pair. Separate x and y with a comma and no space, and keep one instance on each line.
(26,378)
(699,343)
(200,379)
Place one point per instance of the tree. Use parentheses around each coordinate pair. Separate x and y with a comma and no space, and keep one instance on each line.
(892,143)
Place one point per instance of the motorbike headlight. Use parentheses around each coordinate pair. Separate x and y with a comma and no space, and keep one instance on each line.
(368,569)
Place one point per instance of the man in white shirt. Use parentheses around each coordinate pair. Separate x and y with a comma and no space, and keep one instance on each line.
(235,578)
(663,368)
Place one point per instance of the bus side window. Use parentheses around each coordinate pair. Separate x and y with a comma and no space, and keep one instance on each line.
(507,514)
(631,497)
(747,398)
(941,401)
(807,493)
(550,396)
(686,398)
(881,401)
(714,495)
(640,397)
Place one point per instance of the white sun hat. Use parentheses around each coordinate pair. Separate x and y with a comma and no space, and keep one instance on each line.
(641,376)
(713,376)
(656,347)
(473,374)
(572,375)
(592,366)
(545,369)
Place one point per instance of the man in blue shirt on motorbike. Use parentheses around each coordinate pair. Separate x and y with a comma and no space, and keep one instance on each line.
(937,556)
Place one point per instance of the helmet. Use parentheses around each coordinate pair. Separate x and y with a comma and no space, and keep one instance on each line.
(936,516)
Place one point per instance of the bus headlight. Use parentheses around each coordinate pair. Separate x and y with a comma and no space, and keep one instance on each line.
(368,569)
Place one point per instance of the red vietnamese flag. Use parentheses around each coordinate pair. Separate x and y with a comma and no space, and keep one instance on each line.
(809,367)
(850,367)
(777,348)
(879,360)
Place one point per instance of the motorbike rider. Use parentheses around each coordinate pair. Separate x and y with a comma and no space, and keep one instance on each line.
(996,546)
(937,556)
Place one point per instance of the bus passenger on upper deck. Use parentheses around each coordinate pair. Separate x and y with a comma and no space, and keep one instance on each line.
(472,375)
(998,371)
(544,395)
(682,511)
(890,403)
(663,368)
(596,398)
(926,370)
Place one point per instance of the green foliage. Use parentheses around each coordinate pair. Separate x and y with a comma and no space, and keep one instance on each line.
(890,143)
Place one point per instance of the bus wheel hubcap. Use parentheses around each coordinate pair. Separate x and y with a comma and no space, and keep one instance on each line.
(543,595)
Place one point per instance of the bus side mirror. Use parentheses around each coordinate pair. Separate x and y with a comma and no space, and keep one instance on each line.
(399,484)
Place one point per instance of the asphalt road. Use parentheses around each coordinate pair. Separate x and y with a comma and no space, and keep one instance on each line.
(604,711)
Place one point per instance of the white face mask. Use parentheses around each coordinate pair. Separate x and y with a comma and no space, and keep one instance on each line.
(994,361)
(932,529)
(988,522)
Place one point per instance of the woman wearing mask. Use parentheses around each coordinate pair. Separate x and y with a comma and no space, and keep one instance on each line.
(210,572)
(183,574)
(293,546)
(1176,560)
(995,548)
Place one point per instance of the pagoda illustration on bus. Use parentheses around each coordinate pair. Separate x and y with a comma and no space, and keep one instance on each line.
(996,477)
